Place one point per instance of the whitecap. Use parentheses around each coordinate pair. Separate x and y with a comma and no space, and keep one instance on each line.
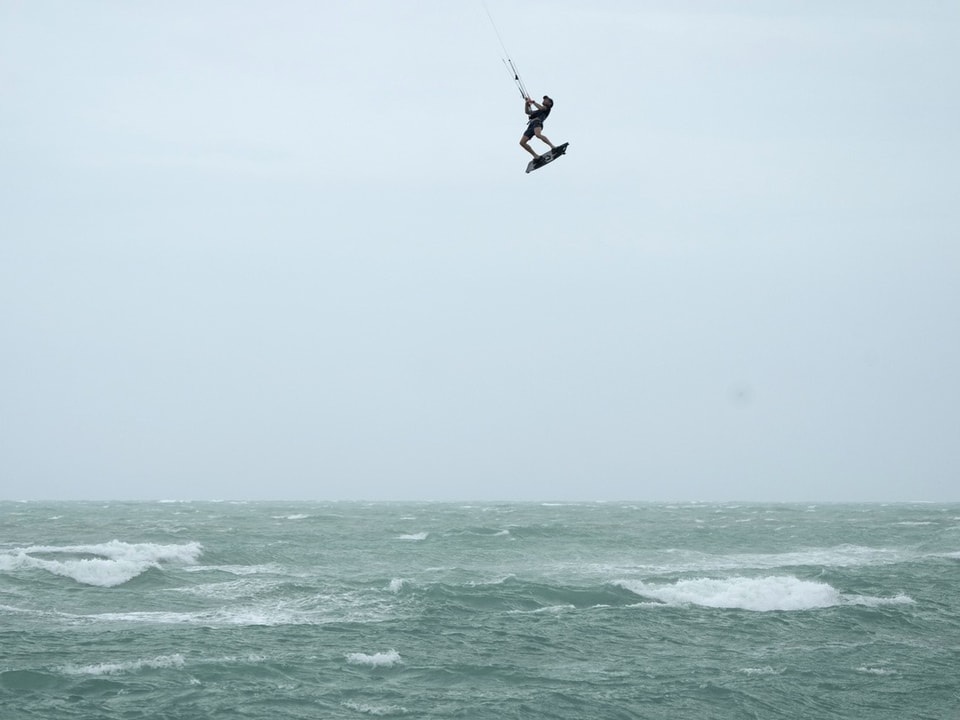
(116,668)
(414,536)
(104,565)
(380,659)
(765,670)
(761,594)
(378,710)
(757,594)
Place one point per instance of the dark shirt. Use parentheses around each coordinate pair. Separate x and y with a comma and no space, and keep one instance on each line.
(538,115)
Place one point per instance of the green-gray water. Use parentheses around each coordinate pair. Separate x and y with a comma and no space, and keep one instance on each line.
(351,610)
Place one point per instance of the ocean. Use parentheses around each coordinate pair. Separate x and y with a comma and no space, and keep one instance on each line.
(478,610)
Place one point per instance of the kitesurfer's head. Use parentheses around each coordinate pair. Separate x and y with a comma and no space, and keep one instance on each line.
(548,101)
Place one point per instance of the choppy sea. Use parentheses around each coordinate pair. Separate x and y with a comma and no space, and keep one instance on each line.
(441,610)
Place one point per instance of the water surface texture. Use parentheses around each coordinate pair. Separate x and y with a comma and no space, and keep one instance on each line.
(440,610)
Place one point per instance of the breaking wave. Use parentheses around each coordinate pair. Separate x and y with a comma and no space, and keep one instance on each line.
(763,594)
(380,659)
(103,565)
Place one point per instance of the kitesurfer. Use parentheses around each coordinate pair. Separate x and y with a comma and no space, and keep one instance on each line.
(535,118)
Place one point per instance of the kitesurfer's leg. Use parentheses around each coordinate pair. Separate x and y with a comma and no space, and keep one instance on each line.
(541,136)
(523,143)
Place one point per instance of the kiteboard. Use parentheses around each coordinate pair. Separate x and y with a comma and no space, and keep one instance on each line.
(547,157)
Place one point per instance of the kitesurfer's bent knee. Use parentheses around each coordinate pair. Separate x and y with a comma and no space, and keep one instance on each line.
(523,143)
(541,136)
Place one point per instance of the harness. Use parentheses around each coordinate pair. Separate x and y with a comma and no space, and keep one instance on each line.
(538,116)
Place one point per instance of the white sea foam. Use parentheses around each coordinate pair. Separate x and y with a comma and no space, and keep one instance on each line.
(757,594)
(230,590)
(12,609)
(104,565)
(549,609)
(766,670)
(876,671)
(379,710)
(762,594)
(380,659)
(313,609)
(144,616)
(414,536)
(117,668)
(396,585)
(871,601)
(248,659)
(297,516)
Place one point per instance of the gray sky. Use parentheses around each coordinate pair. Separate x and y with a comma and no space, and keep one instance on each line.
(288,250)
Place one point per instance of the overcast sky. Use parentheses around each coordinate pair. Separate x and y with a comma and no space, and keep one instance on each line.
(277,250)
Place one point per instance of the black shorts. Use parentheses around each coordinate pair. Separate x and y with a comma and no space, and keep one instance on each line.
(532,128)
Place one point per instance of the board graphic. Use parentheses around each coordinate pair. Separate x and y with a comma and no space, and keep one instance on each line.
(547,157)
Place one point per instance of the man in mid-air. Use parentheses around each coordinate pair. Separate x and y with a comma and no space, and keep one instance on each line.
(535,118)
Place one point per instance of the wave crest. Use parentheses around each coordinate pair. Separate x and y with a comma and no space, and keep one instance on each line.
(380,659)
(117,668)
(758,594)
(103,565)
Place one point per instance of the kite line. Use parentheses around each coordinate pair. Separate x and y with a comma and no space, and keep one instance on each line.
(508,63)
